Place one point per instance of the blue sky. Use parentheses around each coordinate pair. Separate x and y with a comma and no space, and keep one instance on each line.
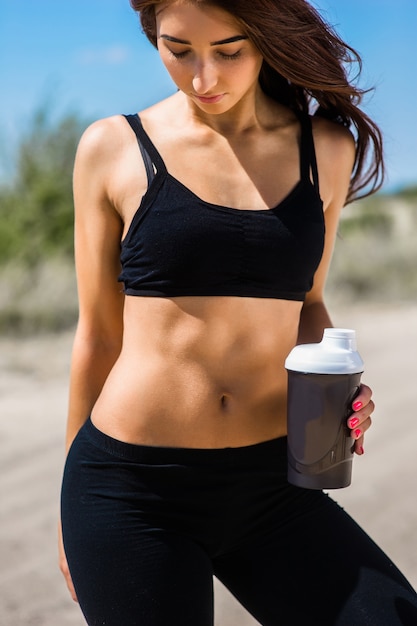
(89,56)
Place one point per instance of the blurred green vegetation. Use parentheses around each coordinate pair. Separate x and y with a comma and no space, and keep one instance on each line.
(37,283)
(36,214)
(375,257)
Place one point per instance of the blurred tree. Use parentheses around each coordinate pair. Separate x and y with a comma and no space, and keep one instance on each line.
(409,193)
(36,210)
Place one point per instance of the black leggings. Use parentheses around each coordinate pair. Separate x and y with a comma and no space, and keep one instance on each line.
(145,529)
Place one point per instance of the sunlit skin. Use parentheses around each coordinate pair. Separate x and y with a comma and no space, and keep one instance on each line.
(200,372)
(218,74)
(205,372)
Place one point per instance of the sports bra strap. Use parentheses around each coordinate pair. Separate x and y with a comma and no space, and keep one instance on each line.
(308,164)
(151,158)
(154,163)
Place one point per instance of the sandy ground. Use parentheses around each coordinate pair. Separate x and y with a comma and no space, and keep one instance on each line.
(33,393)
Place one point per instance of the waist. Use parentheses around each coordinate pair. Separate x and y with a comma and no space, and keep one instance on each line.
(228,456)
(186,405)
(200,372)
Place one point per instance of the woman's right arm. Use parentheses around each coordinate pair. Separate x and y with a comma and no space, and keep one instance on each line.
(98,337)
(98,229)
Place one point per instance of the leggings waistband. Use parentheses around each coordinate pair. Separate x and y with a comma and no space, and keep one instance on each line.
(255,453)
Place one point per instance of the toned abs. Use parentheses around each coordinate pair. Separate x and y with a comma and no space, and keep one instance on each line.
(200,372)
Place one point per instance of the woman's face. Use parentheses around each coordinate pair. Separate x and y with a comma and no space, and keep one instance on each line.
(207,55)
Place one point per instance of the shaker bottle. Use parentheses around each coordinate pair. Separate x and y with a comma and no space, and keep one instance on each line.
(323,380)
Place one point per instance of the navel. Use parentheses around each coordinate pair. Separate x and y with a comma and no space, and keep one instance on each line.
(224,402)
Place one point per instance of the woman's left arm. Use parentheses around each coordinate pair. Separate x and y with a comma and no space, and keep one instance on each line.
(335,150)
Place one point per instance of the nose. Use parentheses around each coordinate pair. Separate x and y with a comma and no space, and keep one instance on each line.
(205,77)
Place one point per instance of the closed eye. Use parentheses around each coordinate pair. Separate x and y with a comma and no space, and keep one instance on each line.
(179,55)
(230,57)
(222,55)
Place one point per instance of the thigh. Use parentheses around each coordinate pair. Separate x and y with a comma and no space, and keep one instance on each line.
(314,566)
(127,569)
(149,579)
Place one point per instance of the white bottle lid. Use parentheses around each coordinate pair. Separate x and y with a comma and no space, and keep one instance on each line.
(335,354)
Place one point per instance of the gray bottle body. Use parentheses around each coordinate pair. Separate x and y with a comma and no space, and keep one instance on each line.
(320,449)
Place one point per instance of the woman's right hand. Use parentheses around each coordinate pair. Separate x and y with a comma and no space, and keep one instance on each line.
(63,565)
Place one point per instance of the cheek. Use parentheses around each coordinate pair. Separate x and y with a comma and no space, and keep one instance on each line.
(246,75)
(257,66)
(176,71)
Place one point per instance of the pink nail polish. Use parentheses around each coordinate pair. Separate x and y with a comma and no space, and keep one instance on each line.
(357,433)
(357,406)
(362,450)
(353,422)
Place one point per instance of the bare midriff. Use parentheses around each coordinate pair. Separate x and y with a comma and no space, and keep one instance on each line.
(200,372)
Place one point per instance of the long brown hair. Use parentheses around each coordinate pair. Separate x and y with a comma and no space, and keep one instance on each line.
(306,67)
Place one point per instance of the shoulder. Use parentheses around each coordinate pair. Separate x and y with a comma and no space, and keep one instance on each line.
(103,138)
(108,160)
(335,150)
(333,140)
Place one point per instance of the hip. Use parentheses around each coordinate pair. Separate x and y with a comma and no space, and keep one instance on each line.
(209,494)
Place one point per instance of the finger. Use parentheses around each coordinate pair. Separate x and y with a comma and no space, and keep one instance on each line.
(70,586)
(63,566)
(359,430)
(359,417)
(363,397)
(358,435)
(72,590)
(358,446)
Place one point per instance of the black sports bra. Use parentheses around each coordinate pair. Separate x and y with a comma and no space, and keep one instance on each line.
(179,245)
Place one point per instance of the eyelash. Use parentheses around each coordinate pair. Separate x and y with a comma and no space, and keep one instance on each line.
(225,57)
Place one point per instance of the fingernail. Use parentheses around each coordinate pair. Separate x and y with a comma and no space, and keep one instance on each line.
(357,433)
(362,450)
(353,422)
(357,406)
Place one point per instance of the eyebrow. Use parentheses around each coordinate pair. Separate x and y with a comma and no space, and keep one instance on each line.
(212,43)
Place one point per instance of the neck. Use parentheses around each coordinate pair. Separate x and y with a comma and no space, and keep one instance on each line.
(252,111)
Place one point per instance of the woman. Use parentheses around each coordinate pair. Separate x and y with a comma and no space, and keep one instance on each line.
(177,416)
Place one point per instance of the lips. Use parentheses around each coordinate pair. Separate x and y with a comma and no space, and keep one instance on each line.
(209,99)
